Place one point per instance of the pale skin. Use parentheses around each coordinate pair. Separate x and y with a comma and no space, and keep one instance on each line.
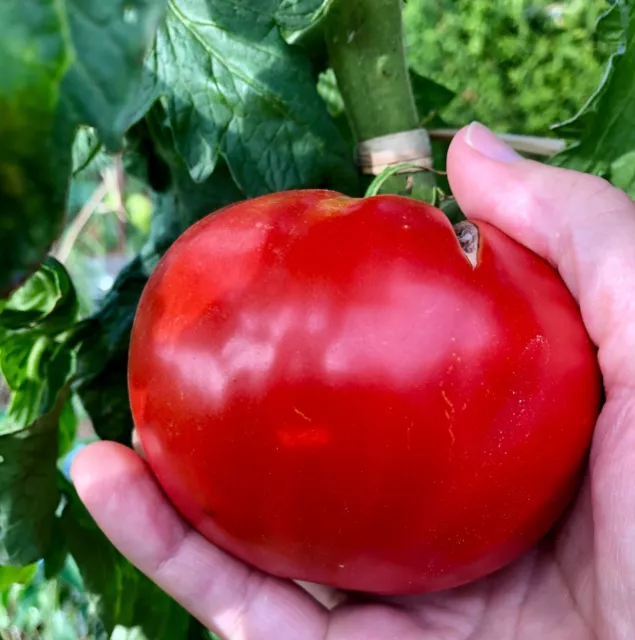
(577,584)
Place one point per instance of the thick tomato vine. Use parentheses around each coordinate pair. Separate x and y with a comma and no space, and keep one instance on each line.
(339,390)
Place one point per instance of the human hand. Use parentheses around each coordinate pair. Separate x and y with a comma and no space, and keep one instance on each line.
(578,583)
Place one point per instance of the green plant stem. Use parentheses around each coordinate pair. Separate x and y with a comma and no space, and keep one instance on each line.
(366,50)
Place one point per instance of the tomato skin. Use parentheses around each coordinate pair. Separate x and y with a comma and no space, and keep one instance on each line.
(327,389)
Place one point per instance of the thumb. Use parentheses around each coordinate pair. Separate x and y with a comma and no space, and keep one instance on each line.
(578,222)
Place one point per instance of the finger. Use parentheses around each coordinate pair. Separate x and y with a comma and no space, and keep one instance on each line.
(578,222)
(225,595)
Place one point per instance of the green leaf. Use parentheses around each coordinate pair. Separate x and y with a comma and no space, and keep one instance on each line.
(297,15)
(111,40)
(39,294)
(67,428)
(35,363)
(25,406)
(606,123)
(57,552)
(89,156)
(28,490)
(623,173)
(431,99)
(34,57)
(49,367)
(14,362)
(47,299)
(16,575)
(236,90)
(146,95)
(430,96)
(611,31)
(65,62)
(612,25)
(124,598)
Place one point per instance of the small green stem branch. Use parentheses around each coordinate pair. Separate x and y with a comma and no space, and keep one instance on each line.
(366,50)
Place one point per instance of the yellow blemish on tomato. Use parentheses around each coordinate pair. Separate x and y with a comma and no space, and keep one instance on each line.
(270,200)
(336,206)
(303,415)
(447,400)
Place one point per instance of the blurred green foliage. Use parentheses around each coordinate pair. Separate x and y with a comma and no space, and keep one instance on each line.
(516,65)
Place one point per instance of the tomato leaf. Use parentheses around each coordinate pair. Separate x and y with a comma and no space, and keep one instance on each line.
(65,62)
(124,598)
(67,428)
(14,362)
(236,90)
(297,15)
(46,301)
(430,96)
(605,125)
(111,40)
(57,552)
(28,491)
(36,396)
(89,156)
(34,56)
(35,363)
(611,31)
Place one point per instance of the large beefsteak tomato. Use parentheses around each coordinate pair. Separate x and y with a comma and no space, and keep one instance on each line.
(352,392)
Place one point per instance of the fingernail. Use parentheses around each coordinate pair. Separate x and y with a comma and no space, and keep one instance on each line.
(481,139)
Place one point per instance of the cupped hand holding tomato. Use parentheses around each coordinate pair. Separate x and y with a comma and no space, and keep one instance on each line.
(351,392)
(576,584)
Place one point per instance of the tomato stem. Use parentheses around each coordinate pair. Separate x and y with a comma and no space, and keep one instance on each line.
(366,49)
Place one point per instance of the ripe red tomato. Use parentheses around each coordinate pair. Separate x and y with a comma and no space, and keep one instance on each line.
(330,390)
